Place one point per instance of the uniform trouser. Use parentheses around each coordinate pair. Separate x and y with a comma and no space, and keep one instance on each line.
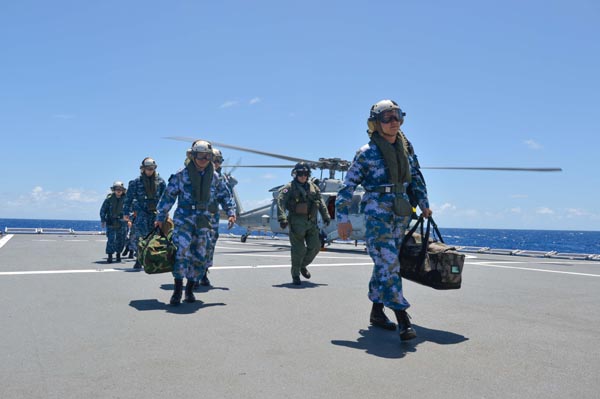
(383,245)
(304,238)
(213,244)
(116,237)
(143,225)
(193,244)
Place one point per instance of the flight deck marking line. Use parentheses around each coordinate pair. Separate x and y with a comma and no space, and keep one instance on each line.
(5,239)
(60,272)
(213,267)
(487,264)
(287,256)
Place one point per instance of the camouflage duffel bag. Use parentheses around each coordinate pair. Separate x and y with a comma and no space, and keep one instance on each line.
(428,262)
(156,252)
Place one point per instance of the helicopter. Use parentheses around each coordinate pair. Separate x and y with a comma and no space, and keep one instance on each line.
(265,217)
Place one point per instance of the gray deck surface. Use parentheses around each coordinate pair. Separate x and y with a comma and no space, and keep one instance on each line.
(73,326)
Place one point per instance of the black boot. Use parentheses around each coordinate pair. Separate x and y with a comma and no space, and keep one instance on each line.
(125,251)
(137,265)
(130,255)
(305,273)
(118,257)
(189,292)
(205,281)
(296,280)
(379,319)
(404,327)
(109,258)
(176,297)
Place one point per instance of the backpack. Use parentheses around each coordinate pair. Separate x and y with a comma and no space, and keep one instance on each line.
(156,251)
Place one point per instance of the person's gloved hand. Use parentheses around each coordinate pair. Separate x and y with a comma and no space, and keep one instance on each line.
(283,224)
(327,222)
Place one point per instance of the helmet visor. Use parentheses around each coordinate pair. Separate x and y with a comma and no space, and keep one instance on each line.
(203,156)
(390,115)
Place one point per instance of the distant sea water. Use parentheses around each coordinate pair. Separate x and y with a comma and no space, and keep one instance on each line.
(587,242)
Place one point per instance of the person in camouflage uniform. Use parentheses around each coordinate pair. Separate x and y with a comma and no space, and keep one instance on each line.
(386,167)
(297,205)
(111,216)
(142,196)
(230,182)
(198,191)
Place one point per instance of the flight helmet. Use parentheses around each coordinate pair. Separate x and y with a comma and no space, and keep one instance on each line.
(377,111)
(301,168)
(200,147)
(118,184)
(217,155)
(148,163)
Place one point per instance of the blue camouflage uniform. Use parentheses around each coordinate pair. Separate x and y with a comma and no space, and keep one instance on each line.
(230,182)
(116,227)
(193,232)
(137,201)
(384,229)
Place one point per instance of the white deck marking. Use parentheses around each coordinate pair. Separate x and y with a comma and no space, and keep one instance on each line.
(5,239)
(60,272)
(288,256)
(490,264)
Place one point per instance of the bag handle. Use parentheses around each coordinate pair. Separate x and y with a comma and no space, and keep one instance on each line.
(424,238)
(154,231)
(436,231)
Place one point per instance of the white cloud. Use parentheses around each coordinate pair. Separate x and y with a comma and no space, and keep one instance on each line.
(268,176)
(532,144)
(228,104)
(515,210)
(77,195)
(446,207)
(544,211)
(255,100)
(574,212)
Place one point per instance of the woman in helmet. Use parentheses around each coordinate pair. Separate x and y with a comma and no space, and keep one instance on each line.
(142,196)
(111,216)
(386,167)
(198,191)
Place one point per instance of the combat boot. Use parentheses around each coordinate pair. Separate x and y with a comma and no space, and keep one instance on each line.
(305,273)
(405,329)
(379,319)
(137,265)
(109,258)
(176,297)
(118,257)
(296,280)
(130,256)
(125,251)
(189,292)
(205,281)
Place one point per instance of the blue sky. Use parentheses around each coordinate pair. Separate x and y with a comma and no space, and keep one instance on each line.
(88,89)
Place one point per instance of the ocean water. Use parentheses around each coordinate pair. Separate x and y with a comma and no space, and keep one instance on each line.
(587,242)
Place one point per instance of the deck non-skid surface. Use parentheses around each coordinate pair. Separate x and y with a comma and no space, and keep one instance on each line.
(73,326)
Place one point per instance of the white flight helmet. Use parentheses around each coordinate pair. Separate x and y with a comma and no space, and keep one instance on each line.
(118,184)
(148,163)
(217,155)
(200,147)
(378,109)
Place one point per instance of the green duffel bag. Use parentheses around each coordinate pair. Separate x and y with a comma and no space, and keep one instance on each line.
(156,252)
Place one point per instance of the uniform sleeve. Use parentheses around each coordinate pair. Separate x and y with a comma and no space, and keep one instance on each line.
(129,195)
(282,199)
(417,183)
(162,186)
(225,198)
(167,199)
(104,211)
(354,177)
(322,207)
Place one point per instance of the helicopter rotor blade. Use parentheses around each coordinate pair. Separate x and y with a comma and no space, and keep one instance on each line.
(494,168)
(234,147)
(261,166)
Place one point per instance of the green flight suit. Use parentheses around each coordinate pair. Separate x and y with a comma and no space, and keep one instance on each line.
(297,205)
